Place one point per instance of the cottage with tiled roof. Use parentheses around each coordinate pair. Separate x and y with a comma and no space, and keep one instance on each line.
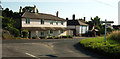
(77,27)
(41,24)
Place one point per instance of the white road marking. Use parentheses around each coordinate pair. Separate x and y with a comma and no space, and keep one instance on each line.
(30,55)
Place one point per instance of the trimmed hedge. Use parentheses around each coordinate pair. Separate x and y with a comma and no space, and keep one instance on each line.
(109,48)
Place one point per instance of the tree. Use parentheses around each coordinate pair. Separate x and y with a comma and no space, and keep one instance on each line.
(95,24)
(29,9)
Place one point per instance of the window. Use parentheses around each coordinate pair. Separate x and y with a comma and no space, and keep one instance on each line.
(27,21)
(61,31)
(61,22)
(51,32)
(42,21)
(42,33)
(56,22)
(51,22)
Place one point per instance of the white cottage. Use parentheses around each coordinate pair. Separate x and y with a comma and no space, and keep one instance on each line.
(41,24)
(76,27)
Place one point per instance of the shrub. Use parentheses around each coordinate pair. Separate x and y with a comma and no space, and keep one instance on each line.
(115,35)
(69,36)
(56,37)
(13,31)
(42,37)
(34,37)
(64,36)
(25,33)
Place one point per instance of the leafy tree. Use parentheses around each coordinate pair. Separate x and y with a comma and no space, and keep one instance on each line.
(29,9)
(7,22)
(95,22)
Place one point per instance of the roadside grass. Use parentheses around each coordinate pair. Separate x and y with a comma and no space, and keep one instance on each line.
(110,48)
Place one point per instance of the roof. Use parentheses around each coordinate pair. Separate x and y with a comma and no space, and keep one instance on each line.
(75,22)
(43,28)
(41,16)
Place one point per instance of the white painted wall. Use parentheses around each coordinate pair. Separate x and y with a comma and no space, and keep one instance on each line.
(79,29)
(46,33)
(37,23)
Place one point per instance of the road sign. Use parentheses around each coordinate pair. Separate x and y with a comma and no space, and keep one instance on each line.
(106,26)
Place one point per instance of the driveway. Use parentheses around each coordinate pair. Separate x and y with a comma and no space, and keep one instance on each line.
(45,48)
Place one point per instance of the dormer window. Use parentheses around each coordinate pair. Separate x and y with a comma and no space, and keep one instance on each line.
(27,21)
(42,21)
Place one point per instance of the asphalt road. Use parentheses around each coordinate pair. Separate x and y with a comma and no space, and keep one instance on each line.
(45,48)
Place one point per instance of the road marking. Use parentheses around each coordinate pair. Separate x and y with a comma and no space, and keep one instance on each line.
(30,55)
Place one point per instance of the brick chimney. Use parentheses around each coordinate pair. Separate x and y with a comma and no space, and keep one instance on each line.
(84,19)
(73,16)
(35,9)
(57,13)
(20,10)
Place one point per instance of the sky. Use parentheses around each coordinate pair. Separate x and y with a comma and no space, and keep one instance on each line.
(105,9)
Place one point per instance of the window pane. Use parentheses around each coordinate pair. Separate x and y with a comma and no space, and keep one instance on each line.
(56,22)
(27,21)
(51,22)
(42,21)
(51,32)
(61,31)
(61,22)
(42,33)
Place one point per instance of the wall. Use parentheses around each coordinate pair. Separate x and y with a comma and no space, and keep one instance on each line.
(46,33)
(37,23)
(83,29)
(79,29)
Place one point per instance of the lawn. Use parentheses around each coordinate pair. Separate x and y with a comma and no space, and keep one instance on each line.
(109,48)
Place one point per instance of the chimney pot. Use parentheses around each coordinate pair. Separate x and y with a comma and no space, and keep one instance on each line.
(73,16)
(66,18)
(20,10)
(35,9)
(57,13)
(84,18)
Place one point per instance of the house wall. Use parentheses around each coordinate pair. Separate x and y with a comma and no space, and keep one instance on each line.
(79,29)
(46,33)
(83,29)
(37,23)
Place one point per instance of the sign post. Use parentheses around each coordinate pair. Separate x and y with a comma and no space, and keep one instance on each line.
(106,26)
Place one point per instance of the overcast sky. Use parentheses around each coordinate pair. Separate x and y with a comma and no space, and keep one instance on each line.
(105,9)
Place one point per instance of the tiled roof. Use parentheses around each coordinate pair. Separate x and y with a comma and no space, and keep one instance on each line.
(75,22)
(41,16)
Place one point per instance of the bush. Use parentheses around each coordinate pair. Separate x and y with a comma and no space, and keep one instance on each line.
(56,37)
(64,36)
(25,33)
(42,37)
(69,36)
(115,35)
(50,37)
(34,37)
(13,31)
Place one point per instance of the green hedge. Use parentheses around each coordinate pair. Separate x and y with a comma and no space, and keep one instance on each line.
(109,48)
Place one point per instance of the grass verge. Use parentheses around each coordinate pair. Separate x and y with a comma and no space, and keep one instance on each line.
(110,48)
